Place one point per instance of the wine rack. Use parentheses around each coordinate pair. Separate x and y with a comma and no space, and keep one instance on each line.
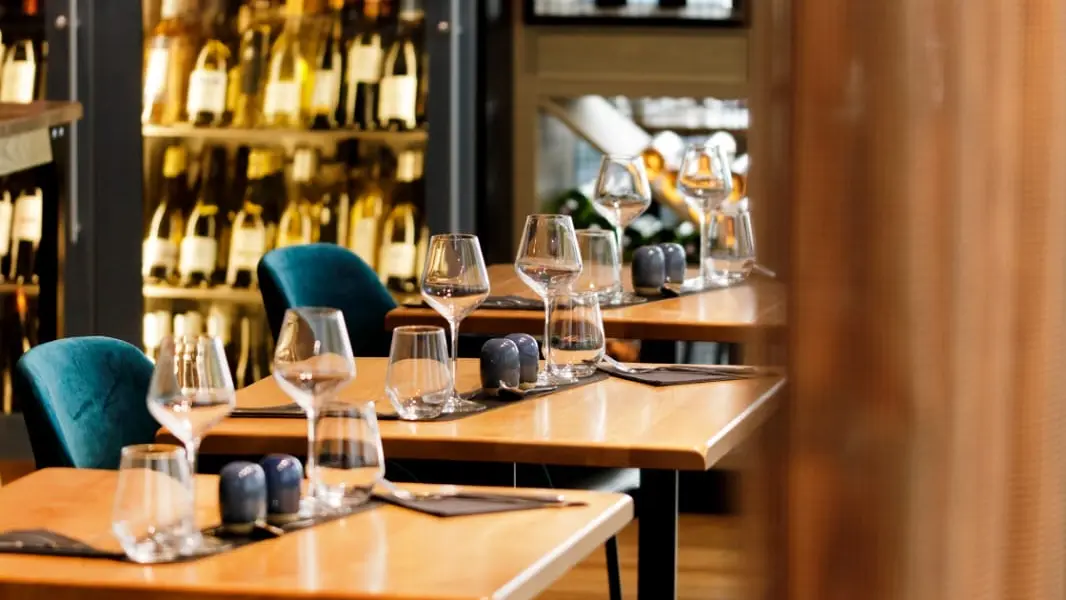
(287,138)
(241,296)
(30,290)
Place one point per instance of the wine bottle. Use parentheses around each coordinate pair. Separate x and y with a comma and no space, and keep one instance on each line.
(252,69)
(21,336)
(165,228)
(19,75)
(248,369)
(41,87)
(248,238)
(327,78)
(403,226)
(26,234)
(199,248)
(333,206)
(152,335)
(402,69)
(208,81)
(283,105)
(168,57)
(275,194)
(368,213)
(220,325)
(294,225)
(6,215)
(365,58)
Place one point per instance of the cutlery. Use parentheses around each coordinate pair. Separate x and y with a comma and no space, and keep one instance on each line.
(449,493)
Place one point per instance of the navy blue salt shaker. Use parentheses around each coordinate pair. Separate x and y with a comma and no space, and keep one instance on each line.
(528,357)
(242,496)
(500,363)
(649,270)
(284,474)
(674,257)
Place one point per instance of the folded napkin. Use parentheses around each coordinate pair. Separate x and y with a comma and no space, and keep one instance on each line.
(681,374)
(49,543)
(457,504)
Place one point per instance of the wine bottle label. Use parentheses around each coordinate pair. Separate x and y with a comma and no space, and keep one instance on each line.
(246,248)
(207,92)
(5,226)
(27,219)
(159,253)
(17,84)
(364,64)
(365,239)
(400,260)
(153,332)
(396,99)
(198,255)
(326,91)
(282,97)
(155,74)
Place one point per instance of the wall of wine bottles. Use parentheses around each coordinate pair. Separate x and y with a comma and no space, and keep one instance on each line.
(273,124)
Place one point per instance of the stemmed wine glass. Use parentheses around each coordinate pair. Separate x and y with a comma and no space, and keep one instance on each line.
(455,283)
(622,192)
(548,262)
(312,361)
(191,391)
(706,182)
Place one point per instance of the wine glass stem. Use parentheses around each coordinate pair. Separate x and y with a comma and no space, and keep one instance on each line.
(192,447)
(454,327)
(705,241)
(618,234)
(312,427)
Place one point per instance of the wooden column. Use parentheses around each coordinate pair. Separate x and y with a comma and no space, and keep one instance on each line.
(927,259)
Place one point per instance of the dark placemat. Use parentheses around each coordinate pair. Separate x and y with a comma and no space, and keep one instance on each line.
(682,374)
(524,303)
(292,411)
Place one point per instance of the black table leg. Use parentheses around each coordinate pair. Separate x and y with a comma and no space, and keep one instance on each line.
(614,575)
(657,535)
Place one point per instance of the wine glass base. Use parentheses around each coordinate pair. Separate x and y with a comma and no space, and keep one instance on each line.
(457,405)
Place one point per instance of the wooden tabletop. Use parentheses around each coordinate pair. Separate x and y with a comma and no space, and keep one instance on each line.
(387,552)
(733,314)
(610,423)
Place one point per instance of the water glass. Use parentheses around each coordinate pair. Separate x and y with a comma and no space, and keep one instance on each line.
(577,339)
(154,508)
(600,270)
(622,192)
(706,182)
(731,255)
(348,454)
(418,379)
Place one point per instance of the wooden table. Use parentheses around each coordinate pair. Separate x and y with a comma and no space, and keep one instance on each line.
(610,423)
(737,314)
(387,552)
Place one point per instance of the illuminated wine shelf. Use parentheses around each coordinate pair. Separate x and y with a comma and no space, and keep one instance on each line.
(30,290)
(213,294)
(284,137)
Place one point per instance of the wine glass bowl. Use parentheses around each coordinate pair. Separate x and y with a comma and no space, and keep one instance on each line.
(622,192)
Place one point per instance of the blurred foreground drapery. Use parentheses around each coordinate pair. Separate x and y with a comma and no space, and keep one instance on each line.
(926,247)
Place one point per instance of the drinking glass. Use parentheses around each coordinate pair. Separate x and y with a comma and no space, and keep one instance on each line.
(600,270)
(154,504)
(548,261)
(731,255)
(622,192)
(348,454)
(418,380)
(455,283)
(313,360)
(706,182)
(577,339)
(191,391)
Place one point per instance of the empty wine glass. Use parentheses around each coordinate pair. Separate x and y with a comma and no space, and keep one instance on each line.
(455,283)
(548,261)
(578,341)
(706,182)
(313,360)
(622,192)
(600,270)
(154,507)
(191,391)
(418,379)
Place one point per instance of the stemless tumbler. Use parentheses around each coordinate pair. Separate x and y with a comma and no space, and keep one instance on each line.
(154,509)
(600,270)
(348,454)
(577,339)
(418,379)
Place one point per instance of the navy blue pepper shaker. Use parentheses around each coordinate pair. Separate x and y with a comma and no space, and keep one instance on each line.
(649,270)
(284,475)
(500,363)
(674,256)
(528,357)
(242,496)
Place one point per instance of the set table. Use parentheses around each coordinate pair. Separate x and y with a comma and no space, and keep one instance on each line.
(383,553)
(608,423)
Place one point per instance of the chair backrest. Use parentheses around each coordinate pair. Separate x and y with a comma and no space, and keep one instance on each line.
(331,276)
(83,400)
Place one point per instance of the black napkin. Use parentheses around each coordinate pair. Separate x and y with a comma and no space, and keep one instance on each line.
(462,505)
(681,374)
(49,543)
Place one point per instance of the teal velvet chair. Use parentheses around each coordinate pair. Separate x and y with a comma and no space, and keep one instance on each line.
(83,400)
(328,275)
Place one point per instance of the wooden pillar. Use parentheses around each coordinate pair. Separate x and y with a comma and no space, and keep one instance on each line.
(927,262)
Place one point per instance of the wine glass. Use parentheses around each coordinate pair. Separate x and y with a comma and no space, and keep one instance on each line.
(191,391)
(312,361)
(548,262)
(622,192)
(455,283)
(706,182)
